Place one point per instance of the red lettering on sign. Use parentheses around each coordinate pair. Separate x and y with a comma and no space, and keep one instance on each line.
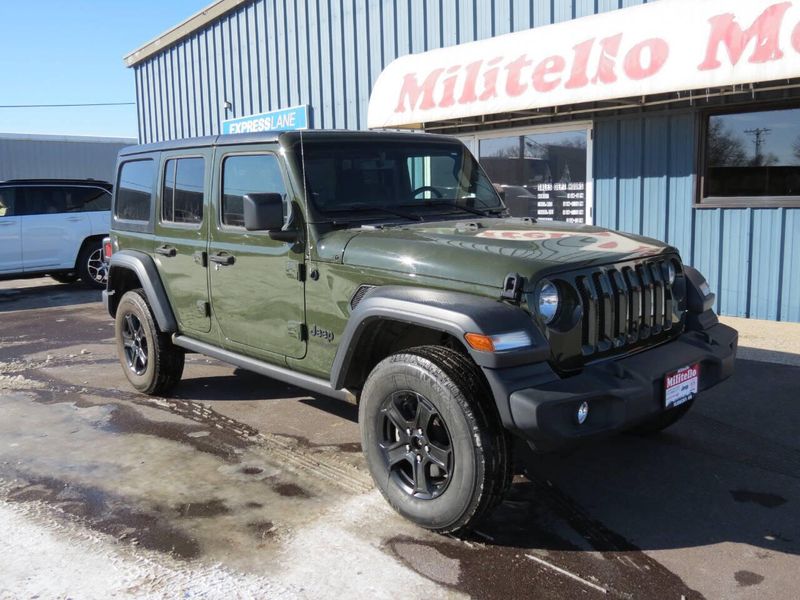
(765,30)
(580,66)
(553,65)
(635,68)
(608,59)
(468,94)
(449,84)
(514,87)
(411,90)
(490,80)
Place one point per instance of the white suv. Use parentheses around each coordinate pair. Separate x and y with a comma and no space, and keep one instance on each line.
(54,227)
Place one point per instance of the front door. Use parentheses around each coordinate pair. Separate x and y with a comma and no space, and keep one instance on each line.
(180,250)
(10,233)
(257,292)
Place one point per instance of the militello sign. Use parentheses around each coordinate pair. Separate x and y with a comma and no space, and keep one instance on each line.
(292,118)
(654,48)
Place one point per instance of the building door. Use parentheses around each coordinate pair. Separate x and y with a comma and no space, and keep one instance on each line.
(545,172)
(257,288)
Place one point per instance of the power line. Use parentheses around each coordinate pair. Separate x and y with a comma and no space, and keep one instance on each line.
(67,105)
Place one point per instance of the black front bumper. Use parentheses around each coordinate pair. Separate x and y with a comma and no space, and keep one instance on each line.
(621,393)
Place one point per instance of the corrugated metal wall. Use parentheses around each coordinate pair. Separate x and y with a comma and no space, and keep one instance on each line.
(45,157)
(645,183)
(326,53)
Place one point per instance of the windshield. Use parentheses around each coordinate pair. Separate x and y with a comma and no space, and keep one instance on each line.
(398,179)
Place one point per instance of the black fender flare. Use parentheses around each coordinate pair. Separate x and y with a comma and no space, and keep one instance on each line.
(145,269)
(454,313)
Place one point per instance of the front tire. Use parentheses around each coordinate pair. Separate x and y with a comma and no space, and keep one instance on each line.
(436,451)
(151,362)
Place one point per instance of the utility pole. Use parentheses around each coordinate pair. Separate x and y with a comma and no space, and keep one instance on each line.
(759,135)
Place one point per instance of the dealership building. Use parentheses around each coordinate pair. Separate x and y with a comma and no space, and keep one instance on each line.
(675,119)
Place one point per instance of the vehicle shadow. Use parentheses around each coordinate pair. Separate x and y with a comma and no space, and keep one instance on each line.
(728,472)
(48,294)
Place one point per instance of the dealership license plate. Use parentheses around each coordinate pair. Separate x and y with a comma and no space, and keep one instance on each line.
(681,386)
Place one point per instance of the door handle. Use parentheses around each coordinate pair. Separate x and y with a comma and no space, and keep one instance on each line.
(74,219)
(7,223)
(167,251)
(222,259)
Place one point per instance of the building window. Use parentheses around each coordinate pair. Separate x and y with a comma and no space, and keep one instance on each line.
(182,195)
(541,174)
(135,190)
(248,174)
(752,158)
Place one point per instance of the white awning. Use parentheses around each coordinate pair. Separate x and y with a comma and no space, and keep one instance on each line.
(655,48)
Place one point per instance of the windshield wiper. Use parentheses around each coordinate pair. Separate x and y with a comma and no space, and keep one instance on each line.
(455,204)
(383,209)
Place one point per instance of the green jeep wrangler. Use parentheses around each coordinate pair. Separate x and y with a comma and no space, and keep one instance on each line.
(384,268)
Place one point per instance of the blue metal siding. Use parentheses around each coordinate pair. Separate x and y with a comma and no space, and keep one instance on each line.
(645,182)
(270,54)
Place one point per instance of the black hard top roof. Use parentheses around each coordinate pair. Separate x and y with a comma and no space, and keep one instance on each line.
(289,137)
(92,182)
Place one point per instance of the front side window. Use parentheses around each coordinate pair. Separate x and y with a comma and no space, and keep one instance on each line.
(182,192)
(397,179)
(753,157)
(248,174)
(135,190)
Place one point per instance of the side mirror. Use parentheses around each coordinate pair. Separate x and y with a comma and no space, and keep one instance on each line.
(263,212)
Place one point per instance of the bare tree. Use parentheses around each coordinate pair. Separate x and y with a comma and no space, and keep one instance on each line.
(725,148)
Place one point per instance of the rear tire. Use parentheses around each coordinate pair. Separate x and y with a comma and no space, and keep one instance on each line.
(92,269)
(661,422)
(151,362)
(436,450)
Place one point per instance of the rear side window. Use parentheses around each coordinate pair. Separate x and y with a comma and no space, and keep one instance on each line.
(47,200)
(242,175)
(182,193)
(7,204)
(135,190)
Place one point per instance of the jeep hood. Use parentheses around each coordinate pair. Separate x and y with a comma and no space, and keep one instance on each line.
(483,252)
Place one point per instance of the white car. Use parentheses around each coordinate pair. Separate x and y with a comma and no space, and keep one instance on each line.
(54,227)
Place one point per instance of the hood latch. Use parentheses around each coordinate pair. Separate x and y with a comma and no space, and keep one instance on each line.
(512,288)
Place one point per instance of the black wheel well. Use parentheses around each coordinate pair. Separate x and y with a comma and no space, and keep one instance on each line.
(120,280)
(386,337)
(85,243)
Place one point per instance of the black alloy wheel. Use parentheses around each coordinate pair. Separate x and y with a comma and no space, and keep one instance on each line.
(134,343)
(416,445)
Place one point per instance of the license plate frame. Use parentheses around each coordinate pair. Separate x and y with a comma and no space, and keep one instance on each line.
(681,386)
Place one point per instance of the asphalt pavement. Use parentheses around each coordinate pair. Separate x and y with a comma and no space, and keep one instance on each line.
(238,485)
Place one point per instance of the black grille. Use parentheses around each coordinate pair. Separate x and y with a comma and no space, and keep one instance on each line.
(624,306)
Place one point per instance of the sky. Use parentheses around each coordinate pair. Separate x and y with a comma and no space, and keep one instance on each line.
(70,52)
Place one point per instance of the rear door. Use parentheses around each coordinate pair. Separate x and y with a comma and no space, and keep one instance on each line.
(181,236)
(52,227)
(257,288)
(10,237)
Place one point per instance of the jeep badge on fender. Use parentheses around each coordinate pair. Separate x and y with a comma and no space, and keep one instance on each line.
(454,326)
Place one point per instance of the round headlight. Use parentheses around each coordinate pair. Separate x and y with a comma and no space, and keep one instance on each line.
(547,301)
